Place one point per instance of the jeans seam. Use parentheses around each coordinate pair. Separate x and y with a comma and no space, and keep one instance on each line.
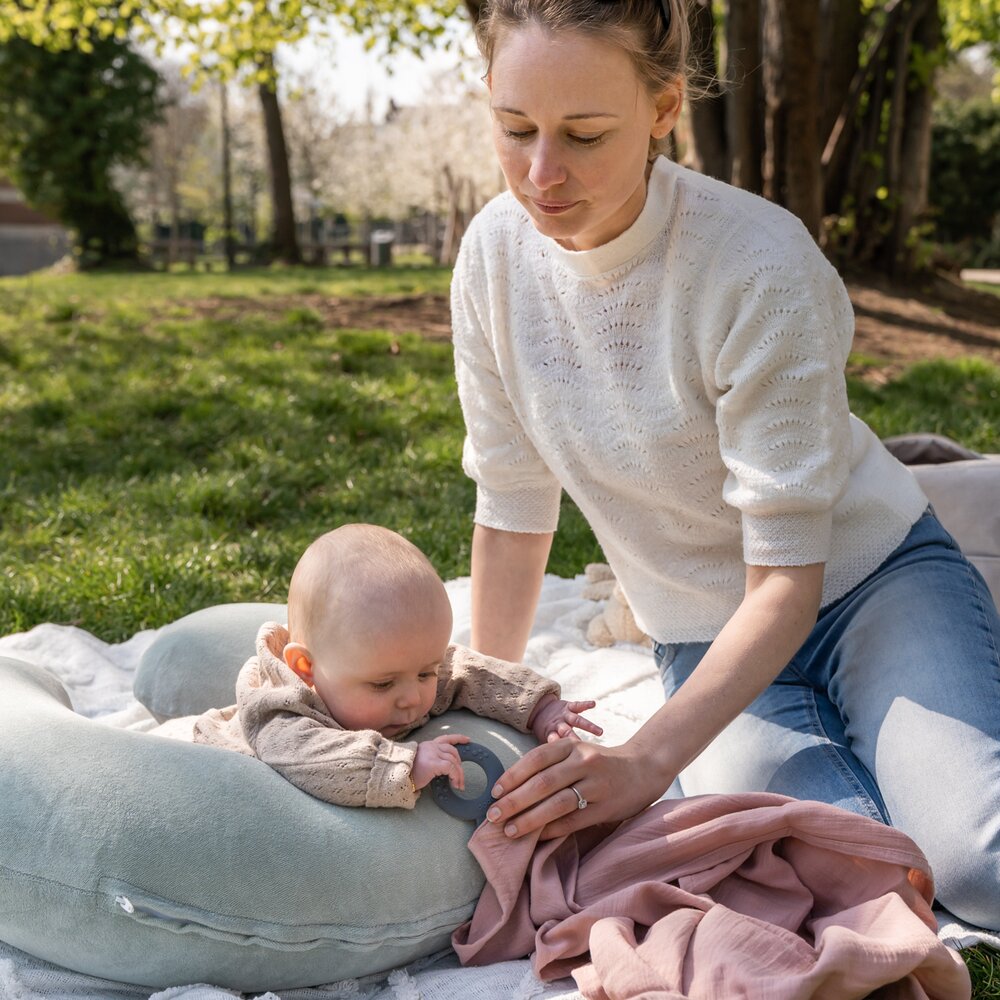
(831,751)
(981,608)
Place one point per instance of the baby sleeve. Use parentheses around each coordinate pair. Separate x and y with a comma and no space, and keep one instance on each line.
(492,688)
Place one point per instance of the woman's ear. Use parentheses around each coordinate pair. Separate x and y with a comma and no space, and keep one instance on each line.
(299,661)
(668,109)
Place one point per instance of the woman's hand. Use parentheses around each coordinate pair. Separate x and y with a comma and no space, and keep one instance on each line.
(537,793)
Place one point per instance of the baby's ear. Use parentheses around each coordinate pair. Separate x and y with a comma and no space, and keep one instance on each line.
(299,661)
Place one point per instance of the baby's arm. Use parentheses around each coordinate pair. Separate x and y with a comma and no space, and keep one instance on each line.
(439,756)
(555,719)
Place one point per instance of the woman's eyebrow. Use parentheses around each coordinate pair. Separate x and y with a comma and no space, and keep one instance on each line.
(574,117)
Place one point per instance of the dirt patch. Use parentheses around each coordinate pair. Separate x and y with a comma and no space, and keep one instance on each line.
(894,327)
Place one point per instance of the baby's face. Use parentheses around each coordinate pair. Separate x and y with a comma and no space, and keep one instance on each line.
(387,683)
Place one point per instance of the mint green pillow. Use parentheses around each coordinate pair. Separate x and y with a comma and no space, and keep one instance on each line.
(156,862)
(192,663)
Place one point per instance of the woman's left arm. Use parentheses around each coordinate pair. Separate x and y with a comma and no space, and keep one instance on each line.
(778,611)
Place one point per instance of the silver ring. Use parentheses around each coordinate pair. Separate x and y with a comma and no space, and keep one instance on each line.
(581,802)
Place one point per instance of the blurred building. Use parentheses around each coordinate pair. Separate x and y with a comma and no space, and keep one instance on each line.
(28,240)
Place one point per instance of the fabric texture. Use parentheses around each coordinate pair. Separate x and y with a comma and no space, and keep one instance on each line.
(283,722)
(156,862)
(684,384)
(192,663)
(839,722)
(98,677)
(723,896)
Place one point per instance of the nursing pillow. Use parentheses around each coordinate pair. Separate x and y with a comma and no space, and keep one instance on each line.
(156,862)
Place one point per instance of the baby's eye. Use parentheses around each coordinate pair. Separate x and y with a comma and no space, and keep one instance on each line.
(427,675)
(381,685)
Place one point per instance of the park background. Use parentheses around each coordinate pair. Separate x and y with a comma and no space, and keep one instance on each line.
(233,332)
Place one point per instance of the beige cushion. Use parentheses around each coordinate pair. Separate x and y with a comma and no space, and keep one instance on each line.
(966,498)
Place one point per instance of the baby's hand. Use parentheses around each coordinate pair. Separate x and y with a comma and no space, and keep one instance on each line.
(555,719)
(439,756)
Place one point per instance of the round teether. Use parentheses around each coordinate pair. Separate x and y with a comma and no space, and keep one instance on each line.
(458,805)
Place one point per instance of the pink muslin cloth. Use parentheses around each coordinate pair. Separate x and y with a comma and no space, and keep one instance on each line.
(718,897)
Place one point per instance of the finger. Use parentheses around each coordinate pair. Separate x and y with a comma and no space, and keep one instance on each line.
(533,762)
(453,739)
(585,724)
(556,808)
(580,706)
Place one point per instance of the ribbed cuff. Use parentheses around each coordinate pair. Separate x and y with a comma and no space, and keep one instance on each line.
(530,510)
(791,539)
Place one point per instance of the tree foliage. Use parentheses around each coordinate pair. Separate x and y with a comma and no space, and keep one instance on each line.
(227,37)
(67,119)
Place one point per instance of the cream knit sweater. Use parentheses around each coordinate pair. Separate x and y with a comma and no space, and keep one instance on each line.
(278,719)
(684,384)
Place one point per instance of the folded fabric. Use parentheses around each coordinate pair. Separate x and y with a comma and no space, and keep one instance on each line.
(715,897)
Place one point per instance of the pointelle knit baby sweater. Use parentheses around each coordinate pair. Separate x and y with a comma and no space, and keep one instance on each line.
(684,384)
(282,721)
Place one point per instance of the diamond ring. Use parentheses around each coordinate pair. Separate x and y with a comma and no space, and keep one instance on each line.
(581,802)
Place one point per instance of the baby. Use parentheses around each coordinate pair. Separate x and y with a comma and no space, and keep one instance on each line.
(366,660)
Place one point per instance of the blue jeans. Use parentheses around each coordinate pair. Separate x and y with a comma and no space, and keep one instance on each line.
(891,709)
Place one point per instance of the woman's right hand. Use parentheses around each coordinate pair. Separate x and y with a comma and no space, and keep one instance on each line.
(537,792)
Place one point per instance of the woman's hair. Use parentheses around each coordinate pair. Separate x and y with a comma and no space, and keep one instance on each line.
(638,26)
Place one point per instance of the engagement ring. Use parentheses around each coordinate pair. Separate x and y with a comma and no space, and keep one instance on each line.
(581,802)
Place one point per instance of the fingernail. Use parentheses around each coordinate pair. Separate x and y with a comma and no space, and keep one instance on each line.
(497,791)
(493,815)
(510,830)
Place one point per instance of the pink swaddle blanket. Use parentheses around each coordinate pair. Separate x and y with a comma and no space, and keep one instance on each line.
(718,897)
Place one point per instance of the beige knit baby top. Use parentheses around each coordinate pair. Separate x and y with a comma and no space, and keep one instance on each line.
(283,722)
(684,384)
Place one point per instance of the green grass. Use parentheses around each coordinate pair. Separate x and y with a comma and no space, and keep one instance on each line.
(159,458)
(156,461)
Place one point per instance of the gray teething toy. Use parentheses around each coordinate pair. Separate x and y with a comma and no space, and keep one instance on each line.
(458,805)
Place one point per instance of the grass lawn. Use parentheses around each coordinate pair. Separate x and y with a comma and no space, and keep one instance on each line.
(159,457)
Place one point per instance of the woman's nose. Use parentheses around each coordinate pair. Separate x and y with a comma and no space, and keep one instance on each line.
(547,169)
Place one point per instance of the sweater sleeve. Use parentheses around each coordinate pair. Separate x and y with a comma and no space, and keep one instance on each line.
(781,409)
(515,490)
(345,767)
(492,688)
(285,724)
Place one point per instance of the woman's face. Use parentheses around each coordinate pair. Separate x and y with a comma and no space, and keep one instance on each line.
(571,125)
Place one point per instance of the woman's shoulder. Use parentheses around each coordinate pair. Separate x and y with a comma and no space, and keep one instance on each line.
(740,224)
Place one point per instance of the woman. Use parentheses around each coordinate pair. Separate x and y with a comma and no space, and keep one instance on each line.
(669,350)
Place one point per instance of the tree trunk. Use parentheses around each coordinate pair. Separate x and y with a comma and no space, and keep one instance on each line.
(745,99)
(708,114)
(791,57)
(227,181)
(283,238)
(915,153)
(840,43)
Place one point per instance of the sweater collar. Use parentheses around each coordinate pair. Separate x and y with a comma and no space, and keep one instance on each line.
(635,239)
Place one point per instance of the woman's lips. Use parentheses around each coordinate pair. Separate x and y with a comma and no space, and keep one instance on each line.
(553,207)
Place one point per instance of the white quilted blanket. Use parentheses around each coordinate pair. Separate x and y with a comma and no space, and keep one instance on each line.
(98,676)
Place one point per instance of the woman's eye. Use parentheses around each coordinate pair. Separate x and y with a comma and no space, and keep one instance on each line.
(520,136)
(588,140)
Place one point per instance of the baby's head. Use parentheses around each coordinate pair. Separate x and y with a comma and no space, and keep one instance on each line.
(369,623)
